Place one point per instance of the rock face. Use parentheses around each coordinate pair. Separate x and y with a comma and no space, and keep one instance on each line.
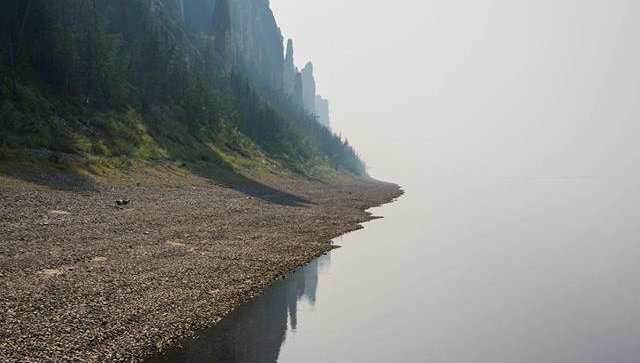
(290,71)
(174,7)
(169,38)
(221,30)
(199,15)
(308,89)
(179,7)
(314,103)
(322,111)
(248,40)
(257,43)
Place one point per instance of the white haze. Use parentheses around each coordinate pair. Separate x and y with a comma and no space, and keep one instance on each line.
(474,88)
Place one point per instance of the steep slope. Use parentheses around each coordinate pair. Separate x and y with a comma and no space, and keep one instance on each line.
(199,82)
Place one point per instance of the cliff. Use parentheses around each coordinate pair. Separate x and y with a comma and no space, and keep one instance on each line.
(308,89)
(250,42)
(198,81)
(290,71)
(257,43)
(312,102)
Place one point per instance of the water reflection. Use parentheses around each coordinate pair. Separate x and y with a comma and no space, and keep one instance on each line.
(255,331)
(482,271)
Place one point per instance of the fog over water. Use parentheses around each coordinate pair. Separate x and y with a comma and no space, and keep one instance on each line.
(466,88)
(459,271)
(514,127)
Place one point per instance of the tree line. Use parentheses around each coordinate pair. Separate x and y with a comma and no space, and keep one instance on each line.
(73,59)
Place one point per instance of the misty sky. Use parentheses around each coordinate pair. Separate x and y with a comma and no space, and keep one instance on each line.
(508,88)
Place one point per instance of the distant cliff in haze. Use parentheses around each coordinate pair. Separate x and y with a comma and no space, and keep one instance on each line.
(258,52)
(197,81)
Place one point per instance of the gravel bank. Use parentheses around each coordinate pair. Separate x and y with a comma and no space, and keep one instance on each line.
(83,280)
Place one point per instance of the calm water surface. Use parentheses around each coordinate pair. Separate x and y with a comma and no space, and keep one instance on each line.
(495,271)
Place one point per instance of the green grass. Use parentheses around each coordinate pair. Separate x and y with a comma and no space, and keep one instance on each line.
(125,146)
(114,141)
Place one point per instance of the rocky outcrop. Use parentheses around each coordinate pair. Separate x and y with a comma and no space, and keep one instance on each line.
(247,40)
(290,71)
(308,89)
(314,103)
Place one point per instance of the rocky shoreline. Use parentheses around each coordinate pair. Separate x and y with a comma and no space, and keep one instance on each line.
(83,279)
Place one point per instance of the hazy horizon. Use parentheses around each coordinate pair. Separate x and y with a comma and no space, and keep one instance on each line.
(477,88)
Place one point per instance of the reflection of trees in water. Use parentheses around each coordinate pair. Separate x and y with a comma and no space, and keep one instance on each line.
(254,333)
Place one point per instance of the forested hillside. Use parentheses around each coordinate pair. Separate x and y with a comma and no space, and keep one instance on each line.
(193,81)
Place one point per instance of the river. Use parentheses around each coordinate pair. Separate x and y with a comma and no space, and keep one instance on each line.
(523,270)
